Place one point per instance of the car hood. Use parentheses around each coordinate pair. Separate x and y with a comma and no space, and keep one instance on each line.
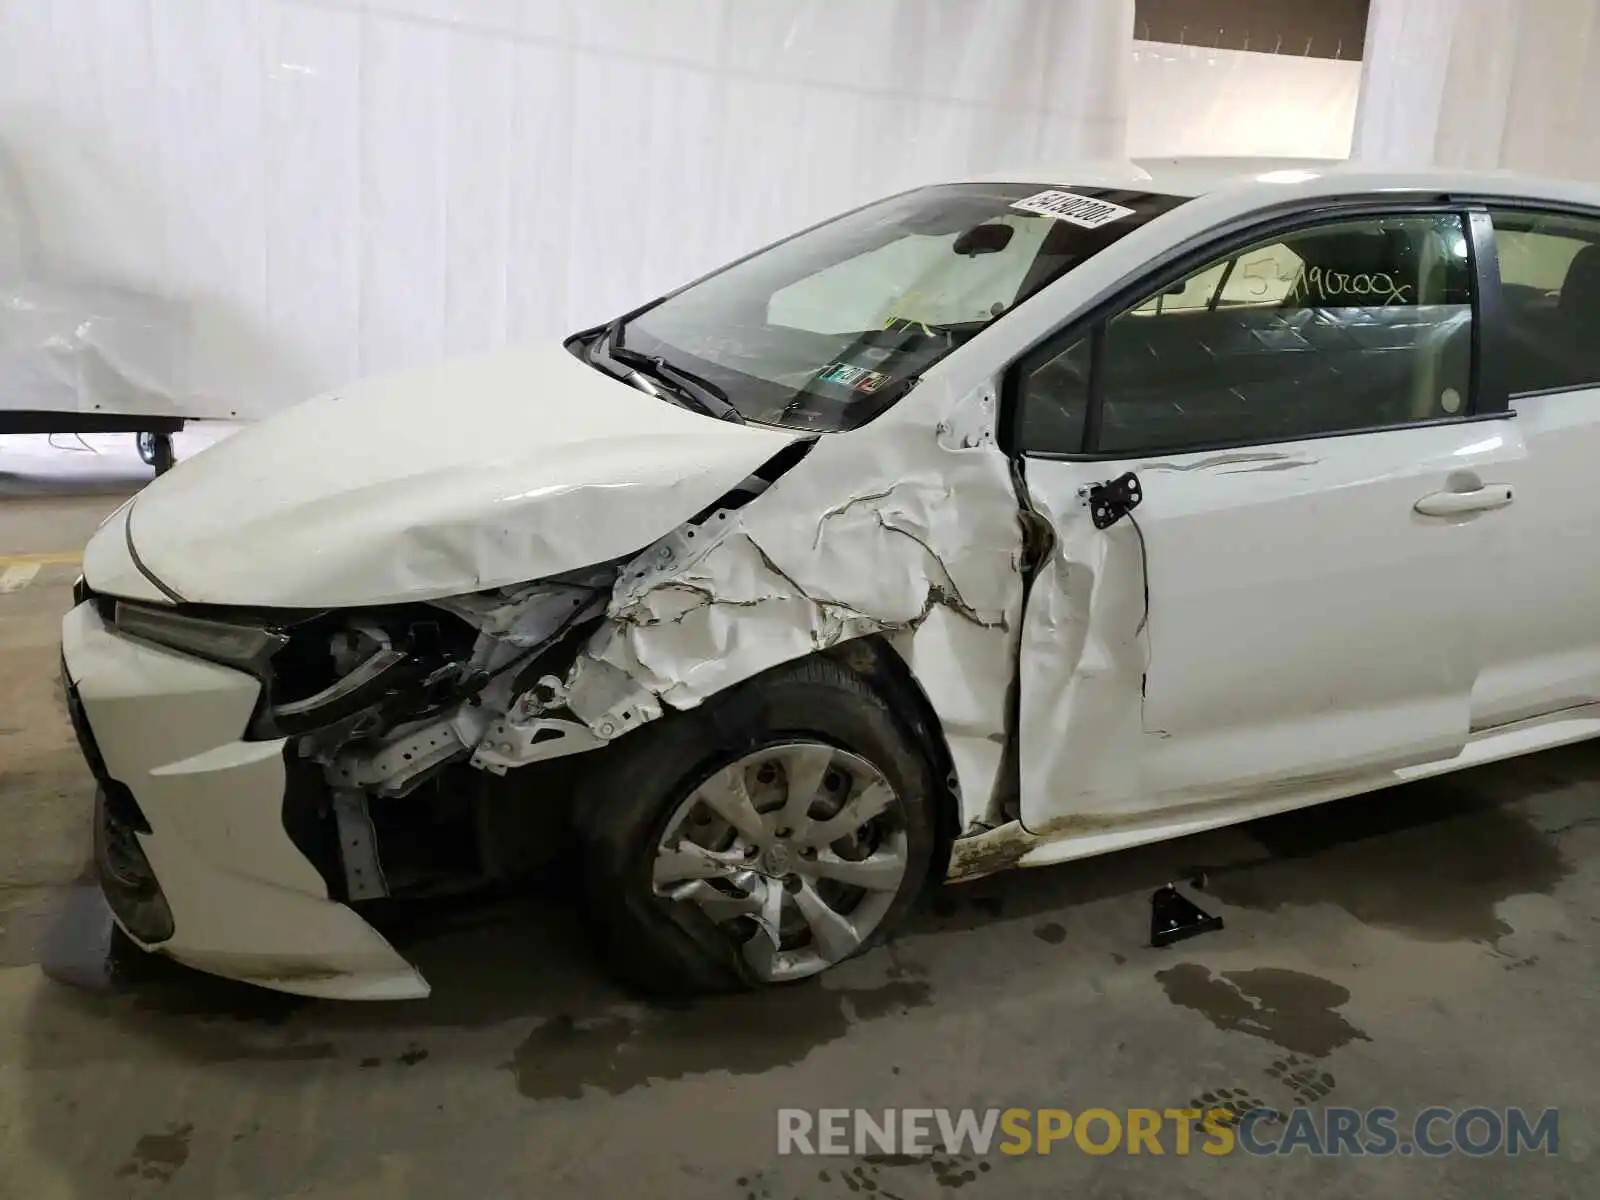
(466,476)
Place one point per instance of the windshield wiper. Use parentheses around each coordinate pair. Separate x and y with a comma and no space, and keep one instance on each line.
(702,393)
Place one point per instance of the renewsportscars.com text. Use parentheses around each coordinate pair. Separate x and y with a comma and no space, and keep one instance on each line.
(1320,1132)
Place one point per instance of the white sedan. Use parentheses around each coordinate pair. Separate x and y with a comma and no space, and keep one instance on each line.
(994,524)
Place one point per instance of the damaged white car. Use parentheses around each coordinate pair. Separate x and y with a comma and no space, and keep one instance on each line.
(997,523)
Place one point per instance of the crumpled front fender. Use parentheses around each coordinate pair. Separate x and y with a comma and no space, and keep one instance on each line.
(903,530)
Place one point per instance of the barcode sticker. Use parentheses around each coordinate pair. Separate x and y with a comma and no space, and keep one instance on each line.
(1069,206)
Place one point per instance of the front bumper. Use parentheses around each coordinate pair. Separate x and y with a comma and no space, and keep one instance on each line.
(190,837)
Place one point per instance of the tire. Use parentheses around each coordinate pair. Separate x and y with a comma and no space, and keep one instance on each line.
(146,442)
(163,458)
(642,788)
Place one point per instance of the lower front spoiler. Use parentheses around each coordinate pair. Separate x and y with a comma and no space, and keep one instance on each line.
(195,861)
(254,932)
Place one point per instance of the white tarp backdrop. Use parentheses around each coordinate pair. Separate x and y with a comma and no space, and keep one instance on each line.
(1483,83)
(1200,99)
(339,188)
(336,188)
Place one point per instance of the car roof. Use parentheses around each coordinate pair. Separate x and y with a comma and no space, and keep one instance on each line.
(1266,179)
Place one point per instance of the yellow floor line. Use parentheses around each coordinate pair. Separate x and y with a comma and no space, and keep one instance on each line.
(57,559)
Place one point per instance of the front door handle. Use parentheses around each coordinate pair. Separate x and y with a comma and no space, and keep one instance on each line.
(1449,504)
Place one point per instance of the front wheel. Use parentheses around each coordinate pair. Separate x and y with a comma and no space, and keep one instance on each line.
(780,828)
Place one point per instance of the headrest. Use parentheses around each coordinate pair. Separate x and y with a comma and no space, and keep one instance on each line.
(1580,292)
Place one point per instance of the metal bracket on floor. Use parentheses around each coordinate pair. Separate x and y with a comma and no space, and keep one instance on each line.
(358,846)
(1173,917)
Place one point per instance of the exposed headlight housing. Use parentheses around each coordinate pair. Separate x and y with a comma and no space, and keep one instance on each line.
(320,670)
(245,647)
(380,670)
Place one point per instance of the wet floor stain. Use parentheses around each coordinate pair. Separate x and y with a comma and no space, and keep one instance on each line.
(158,1156)
(951,1172)
(1306,1080)
(1427,860)
(1292,1010)
(412,1056)
(757,1186)
(1231,1102)
(218,1043)
(954,1173)
(740,1034)
(966,907)
(1053,932)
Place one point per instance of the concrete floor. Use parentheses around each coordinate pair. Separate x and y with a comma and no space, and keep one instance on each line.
(1434,944)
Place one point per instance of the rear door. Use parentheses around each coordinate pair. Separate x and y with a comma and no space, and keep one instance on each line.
(1295,596)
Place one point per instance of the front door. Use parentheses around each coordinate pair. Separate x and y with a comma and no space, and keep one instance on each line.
(1540,651)
(1295,596)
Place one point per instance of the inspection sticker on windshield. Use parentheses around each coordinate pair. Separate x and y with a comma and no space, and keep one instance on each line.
(1069,206)
(857,379)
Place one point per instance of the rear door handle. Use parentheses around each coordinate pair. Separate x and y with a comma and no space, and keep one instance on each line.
(1449,504)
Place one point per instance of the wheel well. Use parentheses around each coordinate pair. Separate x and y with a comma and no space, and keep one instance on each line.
(873,659)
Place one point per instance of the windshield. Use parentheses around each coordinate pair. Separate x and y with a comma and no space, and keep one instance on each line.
(826,330)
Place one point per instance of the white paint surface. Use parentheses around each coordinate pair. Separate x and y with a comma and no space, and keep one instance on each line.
(245,902)
(469,475)
(1302,622)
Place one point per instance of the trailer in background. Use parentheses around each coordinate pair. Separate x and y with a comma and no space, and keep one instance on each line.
(153,434)
(80,357)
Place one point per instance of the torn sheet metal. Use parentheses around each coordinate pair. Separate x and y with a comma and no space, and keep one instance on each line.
(902,528)
(1083,664)
(512,621)
(497,727)
(79,348)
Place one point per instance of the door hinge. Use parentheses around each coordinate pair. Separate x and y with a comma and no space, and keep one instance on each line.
(1112,499)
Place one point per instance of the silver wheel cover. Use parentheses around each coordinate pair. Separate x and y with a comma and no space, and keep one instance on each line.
(795,851)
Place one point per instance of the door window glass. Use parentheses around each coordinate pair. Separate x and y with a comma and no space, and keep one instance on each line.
(1550,278)
(1357,324)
